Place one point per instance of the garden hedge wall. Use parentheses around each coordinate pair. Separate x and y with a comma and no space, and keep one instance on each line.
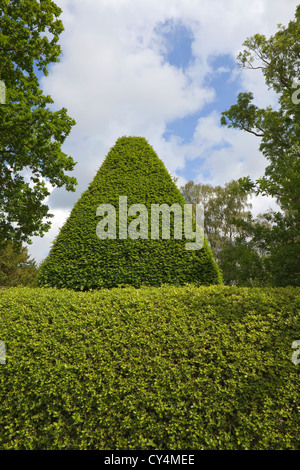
(151,368)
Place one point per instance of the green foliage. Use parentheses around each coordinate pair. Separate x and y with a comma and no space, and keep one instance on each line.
(277,235)
(222,207)
(31,134)
(80,260)
(279,130)
(151,368)
(228,226)
(16,267)
(243,265)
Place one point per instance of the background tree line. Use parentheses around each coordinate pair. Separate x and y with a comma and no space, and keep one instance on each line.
(232,232)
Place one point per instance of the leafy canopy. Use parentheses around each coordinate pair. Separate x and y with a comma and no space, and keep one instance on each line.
(31,135)
(279,131)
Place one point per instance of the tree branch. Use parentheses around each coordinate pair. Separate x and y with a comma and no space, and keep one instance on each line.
(252,132)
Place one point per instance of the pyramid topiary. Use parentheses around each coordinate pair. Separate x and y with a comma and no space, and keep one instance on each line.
(84,256)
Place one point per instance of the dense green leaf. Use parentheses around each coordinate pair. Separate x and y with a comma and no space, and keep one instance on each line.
(31,135)
(207,368)
(80,260)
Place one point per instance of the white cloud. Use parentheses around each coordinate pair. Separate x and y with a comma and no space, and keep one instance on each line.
(114,80)
(40,246)
(261,204)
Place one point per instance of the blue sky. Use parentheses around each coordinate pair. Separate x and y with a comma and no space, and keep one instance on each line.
(226,89)
(164,70)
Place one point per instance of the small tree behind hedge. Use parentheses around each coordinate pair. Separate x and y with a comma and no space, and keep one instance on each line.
(80,260)
(16,267)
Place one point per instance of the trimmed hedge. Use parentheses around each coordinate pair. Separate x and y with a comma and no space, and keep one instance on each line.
(79,260)
(151,368)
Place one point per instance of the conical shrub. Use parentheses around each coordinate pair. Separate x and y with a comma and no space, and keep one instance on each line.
(84,256)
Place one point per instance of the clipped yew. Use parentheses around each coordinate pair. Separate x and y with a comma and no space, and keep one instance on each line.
(79,259)
(155,368)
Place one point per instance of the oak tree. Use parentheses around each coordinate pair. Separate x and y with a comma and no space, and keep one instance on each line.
(31,134)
